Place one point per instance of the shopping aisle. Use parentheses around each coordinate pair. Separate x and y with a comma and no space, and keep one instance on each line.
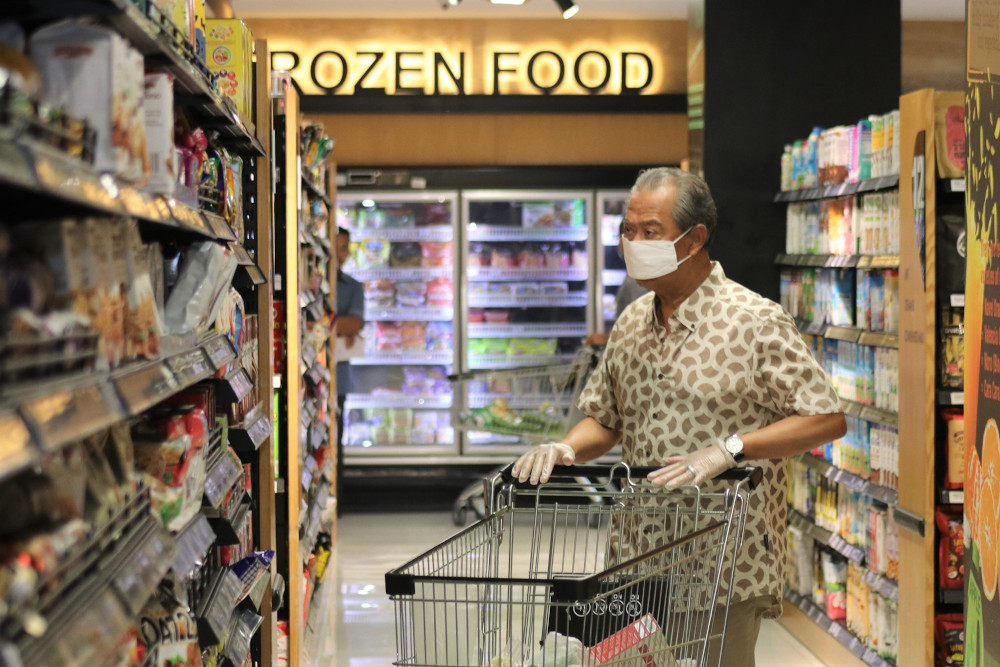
(368,545)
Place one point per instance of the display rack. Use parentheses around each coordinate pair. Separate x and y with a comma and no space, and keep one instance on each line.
(105,580)
(303,354)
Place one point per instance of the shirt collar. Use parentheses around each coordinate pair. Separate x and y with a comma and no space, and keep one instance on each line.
(696,306)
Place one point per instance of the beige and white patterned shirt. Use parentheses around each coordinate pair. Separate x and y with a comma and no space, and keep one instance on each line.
(731,362)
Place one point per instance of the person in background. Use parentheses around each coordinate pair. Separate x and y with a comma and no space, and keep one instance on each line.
(723,377)
(627,292)
(350,319)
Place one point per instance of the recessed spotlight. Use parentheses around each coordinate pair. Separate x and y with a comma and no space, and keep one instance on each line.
(568,7)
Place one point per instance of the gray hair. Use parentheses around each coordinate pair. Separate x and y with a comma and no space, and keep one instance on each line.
(693,203)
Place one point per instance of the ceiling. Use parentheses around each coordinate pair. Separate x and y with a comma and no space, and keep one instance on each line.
(914,10)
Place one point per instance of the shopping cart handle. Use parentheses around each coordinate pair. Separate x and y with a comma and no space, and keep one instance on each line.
(753,475)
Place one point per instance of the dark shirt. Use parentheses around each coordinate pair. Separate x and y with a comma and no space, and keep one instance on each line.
(350,301)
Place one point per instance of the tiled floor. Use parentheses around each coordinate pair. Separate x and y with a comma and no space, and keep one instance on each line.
(369,545)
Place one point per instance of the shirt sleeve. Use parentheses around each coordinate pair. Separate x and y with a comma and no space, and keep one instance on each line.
(356,307)
(790,380)
(598,397)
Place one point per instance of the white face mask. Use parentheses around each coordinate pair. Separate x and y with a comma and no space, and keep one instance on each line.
(646,260)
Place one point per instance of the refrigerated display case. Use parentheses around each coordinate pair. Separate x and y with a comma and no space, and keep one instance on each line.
(610,206)
(526,260)
(402,250)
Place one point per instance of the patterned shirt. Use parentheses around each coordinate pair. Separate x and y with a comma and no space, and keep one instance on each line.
(731,362)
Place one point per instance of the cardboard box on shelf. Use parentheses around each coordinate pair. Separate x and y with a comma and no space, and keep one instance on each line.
(158,110)
(93,73)
(229,46)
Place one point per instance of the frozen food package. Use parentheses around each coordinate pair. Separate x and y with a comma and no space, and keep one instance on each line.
(530,257)
(538,214)
(372,254)
(388,336)
(405,255)
(440,293)
(436,254)
(569,213)
(413,336)
(439,336)
(92,72)
(205,275)
(436,214)
(380,293)
(411,295)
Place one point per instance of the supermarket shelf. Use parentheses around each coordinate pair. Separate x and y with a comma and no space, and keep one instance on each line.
(570,300)
(952,596)
(140,563)
(490,361)
(870,413)
(318,374)
(881,493)
(948,397)
(444,358)
(478,232)
(216,606)
(315,190)
(850,334)
(824,536)
(826,192)
(227,526)
(246,268)
(516,401)
(845,637)
(63,411)
(246,438)
(951,497)
(436,233)
(402,274)
(518,330)
(838,261)
(428,402)
(501,274)
(406,453)
(614,277)
(28,167)
(952,184)
(222,473)
(881,584)
(320,245)
(417,314)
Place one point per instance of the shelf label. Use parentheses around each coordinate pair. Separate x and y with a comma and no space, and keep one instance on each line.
(259,431)
(188,217)
(240,384)
(70,415)
(220,227)
(15,443)
(190,367)
(958,301)
(220,351)
(142,389)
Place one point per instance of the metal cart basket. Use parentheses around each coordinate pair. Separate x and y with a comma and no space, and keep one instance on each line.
(642,580)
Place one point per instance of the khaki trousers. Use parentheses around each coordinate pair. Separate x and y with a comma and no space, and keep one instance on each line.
(742,628)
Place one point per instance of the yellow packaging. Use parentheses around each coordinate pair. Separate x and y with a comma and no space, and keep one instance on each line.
(181,14)
(230,55)
(200,45)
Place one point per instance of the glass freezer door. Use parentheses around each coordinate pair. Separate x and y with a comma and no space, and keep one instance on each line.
(399,399)
(527,286)
(610,265)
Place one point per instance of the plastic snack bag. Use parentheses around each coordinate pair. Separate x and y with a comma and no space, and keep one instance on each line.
(205,275)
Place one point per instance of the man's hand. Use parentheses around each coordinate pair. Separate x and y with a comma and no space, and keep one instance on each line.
(538,462)
(694,468)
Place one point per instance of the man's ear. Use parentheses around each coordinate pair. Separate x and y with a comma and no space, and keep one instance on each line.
(699,237)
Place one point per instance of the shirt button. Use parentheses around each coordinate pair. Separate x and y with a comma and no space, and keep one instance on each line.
(656,415)
(660,376)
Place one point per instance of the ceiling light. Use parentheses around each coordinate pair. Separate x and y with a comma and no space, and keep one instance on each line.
(568,7)
(450,3)
(507,2)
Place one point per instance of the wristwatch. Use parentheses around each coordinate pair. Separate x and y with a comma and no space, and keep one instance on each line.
(734,445)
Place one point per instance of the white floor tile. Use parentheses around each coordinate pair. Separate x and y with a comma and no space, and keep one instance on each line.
(363,630)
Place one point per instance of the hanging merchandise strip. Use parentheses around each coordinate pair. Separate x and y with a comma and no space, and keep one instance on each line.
(828,470)
(838,261)
(836,630)
(59,414)
(217,606)
(193,543)
(144,560)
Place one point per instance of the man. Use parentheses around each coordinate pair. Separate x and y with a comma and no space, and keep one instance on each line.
(350,319)
(698,376)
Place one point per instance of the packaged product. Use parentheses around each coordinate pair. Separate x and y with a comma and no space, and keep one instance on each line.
(949,636)
(158,115)
(556,257)
(436,214)
(411,295)
(436,254)
(499,289)
(230,323)
(142,308)
(388,336)
(497,316)
(397,215)
(170,636)
(951,551)
(107,306)
(476,315)
(380,293)
(636,642)
(372,254)
(952,347)
(954,419)
(525,289)
(405,255)
(229,47)
(180,13)
(835,586)
(439,336)
(233,192)
(493,345)
(205,276)
(530,257)
(578,258)
(538,214)
(502,258)
(413,336)
(569,213)
(93,72)
(949,133)
(440,293)
(401,418)
(199,36)
(478,256)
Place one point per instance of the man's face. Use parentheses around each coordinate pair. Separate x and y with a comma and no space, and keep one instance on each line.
(649,217)
(343,249)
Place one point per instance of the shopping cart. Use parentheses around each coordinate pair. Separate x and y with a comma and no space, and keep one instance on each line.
(645,580)
(518,406)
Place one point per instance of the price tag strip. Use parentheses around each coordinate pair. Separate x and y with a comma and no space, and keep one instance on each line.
(219,350)
(142,389)
(190,367)
(70,415)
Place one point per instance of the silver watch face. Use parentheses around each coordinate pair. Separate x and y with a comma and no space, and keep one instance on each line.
(734,445)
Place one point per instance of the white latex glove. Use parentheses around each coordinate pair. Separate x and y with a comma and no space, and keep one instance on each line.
(537,463)
(694,468)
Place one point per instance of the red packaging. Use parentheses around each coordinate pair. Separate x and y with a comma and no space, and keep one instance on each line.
(951,550)
(949,636)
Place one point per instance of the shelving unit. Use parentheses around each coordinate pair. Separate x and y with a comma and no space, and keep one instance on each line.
(108,577)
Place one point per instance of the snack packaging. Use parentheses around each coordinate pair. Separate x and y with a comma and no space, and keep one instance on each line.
(949,636)
(951,551)
(205,276)
(949,133)
(171,636)
(93,72)
(107,305)
(142,313)
(641,641)
(954,419)
(158,113)
(229,50)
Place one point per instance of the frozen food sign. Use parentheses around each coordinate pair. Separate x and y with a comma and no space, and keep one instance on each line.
(592,69)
